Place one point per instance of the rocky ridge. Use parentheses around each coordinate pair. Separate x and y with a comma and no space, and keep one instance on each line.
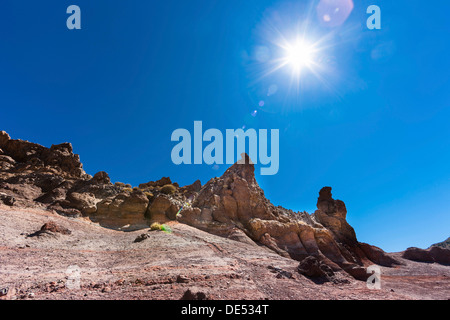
(232,206)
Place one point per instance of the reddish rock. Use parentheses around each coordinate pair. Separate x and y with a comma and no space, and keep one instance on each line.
(433,254)
(378,256)
(418,254)
(51,228)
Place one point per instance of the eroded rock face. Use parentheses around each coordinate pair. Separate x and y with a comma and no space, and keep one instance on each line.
(58,159)
(332,215)
(233,206)
(314,268)
(234,198)
(53,178)
(235,201)
(126,208)
(430,255)
(162,208)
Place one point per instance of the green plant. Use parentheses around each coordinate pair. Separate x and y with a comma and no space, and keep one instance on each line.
(155,226)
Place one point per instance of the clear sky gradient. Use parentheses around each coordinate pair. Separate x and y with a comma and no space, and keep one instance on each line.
(372,122)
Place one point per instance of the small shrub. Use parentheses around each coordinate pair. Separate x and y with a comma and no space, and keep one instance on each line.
(155,226)
(168,189)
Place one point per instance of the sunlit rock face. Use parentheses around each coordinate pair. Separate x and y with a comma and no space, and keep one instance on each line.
(235,201)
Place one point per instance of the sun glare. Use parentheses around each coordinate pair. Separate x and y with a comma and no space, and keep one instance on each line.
(299,55)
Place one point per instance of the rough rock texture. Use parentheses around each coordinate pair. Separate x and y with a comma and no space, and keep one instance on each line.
(235,201)
(57,159)
(8,200)
(430,255)
(194,294)
(232,206)
(131,210)
(50,228)
(314,268)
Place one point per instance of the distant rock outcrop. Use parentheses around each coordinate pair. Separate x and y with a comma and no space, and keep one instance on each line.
(444,244)
(433,254)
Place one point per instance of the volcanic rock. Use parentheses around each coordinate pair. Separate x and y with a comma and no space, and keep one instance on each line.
(377,255)
(314,268)
(102,178)
(332,214)
(194,294)
(417,254)
(6,199)
(51,228)
(127,208)
(159,183)
(430,255)
(232,206)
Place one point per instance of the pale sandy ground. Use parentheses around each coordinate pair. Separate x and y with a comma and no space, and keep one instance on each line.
(113,267)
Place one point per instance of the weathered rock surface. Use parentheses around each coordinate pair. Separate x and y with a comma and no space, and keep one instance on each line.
(430,255)
(314,268)
(57,159)
(232,206)
(235,201)
(51,228)
(126,208)
(194,294)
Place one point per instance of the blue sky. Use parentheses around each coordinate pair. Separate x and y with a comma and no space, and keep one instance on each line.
(371,122)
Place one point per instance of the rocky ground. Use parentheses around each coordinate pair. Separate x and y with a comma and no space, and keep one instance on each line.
(167,265)
(159,240)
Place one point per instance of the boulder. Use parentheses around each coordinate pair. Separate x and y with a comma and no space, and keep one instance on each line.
(6,199)
(51,228)
(314,268)
(195,294)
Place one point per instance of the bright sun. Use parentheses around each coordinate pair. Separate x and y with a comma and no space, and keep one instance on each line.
(299,55)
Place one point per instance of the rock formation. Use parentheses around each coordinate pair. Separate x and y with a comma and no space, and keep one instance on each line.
(444,244)
(433,254)
(236,202)
(50,228)
(232,206)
